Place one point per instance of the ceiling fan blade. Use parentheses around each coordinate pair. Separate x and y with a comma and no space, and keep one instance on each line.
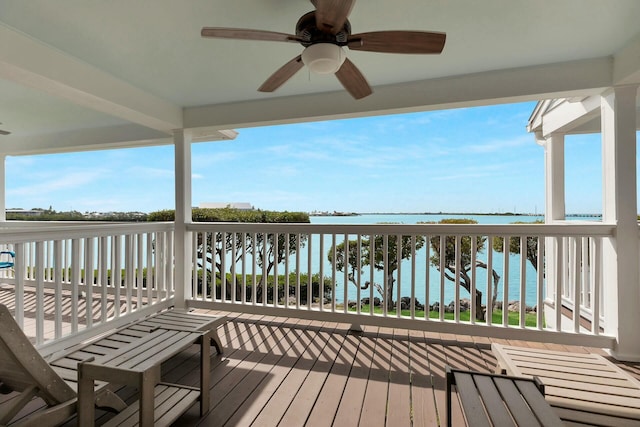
(332,14)
(398,41)
(283,74)
(353,80)
(244,34)
(4,132)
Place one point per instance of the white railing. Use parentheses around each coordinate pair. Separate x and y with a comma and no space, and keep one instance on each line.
(235,267)
(580,282)
(70,281)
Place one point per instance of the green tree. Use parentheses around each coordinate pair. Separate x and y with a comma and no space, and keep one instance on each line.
(449,262)
(514,245)
(355,264)
(216,247)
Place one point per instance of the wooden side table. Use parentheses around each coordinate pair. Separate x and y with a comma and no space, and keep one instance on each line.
(139,365)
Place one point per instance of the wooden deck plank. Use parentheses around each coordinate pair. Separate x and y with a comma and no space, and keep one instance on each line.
(399,401)
(375,398)
(422,392)
(272,400)
(442,354)
(350,407)
(328,401)
(249,375)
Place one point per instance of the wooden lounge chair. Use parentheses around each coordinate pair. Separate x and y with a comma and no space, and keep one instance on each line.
(581,387)
(23,370)
(499,400)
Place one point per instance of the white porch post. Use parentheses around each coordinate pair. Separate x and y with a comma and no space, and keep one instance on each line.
(3,190)
(554,211)
(620,207)
(182,140)
(554,178)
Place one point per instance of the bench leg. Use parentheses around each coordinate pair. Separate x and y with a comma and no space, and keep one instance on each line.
(205,368)
(449,375)
(215,340)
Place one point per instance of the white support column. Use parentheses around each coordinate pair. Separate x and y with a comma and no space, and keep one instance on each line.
(554,211)
(3,190)
(182,241)
(554,178)
(621,253)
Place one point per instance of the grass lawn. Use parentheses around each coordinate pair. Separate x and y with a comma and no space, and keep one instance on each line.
(514,318)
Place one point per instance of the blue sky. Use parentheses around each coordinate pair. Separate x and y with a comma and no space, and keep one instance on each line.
(462,160)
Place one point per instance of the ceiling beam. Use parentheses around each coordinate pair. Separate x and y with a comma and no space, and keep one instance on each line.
(570,115)
(104,138)
(626,64)
(576,78)
(31,63)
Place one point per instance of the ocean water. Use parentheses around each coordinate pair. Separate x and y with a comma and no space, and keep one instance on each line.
(423,270)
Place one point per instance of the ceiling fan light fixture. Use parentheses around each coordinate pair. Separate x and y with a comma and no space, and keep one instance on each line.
(323,58)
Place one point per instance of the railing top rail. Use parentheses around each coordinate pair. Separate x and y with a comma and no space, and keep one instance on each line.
(542,230)
(58,231)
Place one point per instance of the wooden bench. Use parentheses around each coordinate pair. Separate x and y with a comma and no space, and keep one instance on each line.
(187,321)
(139,364)
(131,336)
(499,400)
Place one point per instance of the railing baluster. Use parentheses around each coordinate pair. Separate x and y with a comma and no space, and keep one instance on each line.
(427,281)
(276,241)
(413,277)
(333,272)
(458,266)
(116,273)
(577,285)
(345,300)
(254,268)
(75,279)
(234,241)
(104,263)
(57,261)
(309,272)
(505,283)
(385,277)
(442,255)
(596,284)
(523,279)
(88,281)
(489,290)
(244,268)
(40,294)
(372,258)
(128,270)
(264,269)
(358,278)
(223,268)
(321,261)
(560,274)
(399,248)
(472,291)
(540,283)
(21,275)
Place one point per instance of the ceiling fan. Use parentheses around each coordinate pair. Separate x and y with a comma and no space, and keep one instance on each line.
(4,132)
(323,33)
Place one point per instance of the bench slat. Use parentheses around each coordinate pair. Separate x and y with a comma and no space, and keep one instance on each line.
(471,403)
(493,401)
(516,404)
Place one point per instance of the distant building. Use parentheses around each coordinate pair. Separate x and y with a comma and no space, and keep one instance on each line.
(236,205)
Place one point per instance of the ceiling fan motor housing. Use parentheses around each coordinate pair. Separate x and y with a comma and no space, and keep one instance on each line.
(310,34)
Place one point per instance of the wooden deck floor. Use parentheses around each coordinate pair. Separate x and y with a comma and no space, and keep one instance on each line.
(291,372)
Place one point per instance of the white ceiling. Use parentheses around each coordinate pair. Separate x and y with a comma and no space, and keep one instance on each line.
(122,70)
